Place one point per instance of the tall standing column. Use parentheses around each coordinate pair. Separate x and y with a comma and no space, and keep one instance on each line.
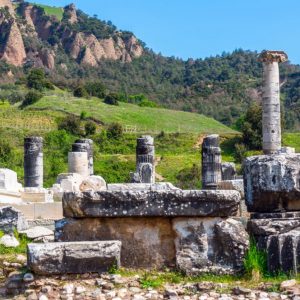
(211,162)
(33,162)
(271,118)
(145,161)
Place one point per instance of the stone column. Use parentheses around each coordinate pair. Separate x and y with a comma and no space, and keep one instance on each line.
(79,163)
(85,145)
(145,159)
(211,162)
(271,120)
(33,162)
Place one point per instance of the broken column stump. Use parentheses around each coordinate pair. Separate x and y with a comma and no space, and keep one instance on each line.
(74,257)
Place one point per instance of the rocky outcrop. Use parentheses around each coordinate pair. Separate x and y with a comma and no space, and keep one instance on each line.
(272,183)
(73,258)
(14,50)
(71,13)
(151,203)
(95,50)
(9,5)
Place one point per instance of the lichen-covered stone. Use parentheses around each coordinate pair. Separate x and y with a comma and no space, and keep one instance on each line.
(233,241)
(279,236)
(151,203)
(272,183)
(192,244)
(11,219)
(73,257)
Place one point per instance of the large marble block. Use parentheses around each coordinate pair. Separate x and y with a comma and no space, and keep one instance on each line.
(272,182)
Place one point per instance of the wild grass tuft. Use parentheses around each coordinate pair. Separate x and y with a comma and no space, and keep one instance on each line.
(255,262)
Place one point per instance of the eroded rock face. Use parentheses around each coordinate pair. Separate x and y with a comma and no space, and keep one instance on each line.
(14,49)
(151,203)
(73,258)
(272,183)
(70,11)
(11,219)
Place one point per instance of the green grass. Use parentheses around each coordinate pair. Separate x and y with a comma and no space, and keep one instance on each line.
(52,10)
(292,140)
(145,119)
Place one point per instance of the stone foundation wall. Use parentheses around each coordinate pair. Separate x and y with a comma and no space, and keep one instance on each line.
(193,245)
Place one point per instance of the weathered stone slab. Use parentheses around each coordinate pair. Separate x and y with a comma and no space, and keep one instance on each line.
(194,245)
(160,186)
(11,219)
(151,203)
(73,257)
(146,242)
(272,183)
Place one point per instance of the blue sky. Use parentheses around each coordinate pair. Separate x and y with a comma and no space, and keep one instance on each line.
(201,28)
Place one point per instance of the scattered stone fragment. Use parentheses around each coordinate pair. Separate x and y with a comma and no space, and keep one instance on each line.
(9,241)
(28,277)
(285,285)
(11,219)
(37,232)
(73,257)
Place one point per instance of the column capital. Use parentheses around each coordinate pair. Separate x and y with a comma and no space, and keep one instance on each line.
(269,56)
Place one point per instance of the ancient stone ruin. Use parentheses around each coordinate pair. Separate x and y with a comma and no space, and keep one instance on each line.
(211,162)
(145,161)
(272,186)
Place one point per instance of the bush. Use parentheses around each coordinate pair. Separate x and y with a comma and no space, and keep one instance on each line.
(251,127)
(31,98)
(111,99)
(70,124)
(80,92)
(240,151)
(95,89)
(90,128)
(114,131)
(6,153)
(36,80)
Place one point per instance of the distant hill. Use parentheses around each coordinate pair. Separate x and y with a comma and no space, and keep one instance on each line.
(74,47)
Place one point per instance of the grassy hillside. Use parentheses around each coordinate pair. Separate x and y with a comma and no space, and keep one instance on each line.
(52,10)
(143,119)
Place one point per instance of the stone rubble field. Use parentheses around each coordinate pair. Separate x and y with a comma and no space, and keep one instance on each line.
(17,284)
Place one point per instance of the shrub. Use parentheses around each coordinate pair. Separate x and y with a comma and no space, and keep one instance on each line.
(240,151)
(70,124)
(36,80)
(6,152)
(80,92)
(115,131)
(90,128)
(31,98)
(111,99)
(95,89)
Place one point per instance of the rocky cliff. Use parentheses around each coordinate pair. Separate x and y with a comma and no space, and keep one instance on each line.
(30,36)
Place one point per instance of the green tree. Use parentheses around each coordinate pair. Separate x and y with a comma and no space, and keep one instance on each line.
(31,98)
(81,92)
(90,128)
(36,80)
(114,131)
(111,99)
(95,89)
(70,124)
(251,127)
